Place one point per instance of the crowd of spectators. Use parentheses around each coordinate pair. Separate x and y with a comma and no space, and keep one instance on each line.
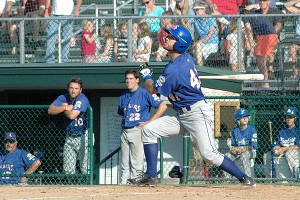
(212,35)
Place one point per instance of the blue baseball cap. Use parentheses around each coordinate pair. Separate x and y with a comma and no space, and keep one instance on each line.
(10,136)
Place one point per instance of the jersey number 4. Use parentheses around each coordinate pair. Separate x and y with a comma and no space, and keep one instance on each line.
(195,83)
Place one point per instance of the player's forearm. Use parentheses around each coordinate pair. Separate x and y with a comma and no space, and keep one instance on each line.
(149,86)
(54,110)
(159,112)
(72,114)
(33,167)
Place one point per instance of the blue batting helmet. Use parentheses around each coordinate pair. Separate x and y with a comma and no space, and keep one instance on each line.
(183,36)
(240,113)
(291,111)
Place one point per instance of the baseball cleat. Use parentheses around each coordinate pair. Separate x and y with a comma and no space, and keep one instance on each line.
(143,180)
(247,181)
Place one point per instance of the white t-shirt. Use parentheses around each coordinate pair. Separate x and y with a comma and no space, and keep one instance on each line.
(142,42)
(3,4)
(62,7)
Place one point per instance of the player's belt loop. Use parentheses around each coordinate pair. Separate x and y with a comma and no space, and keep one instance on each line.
(184,110)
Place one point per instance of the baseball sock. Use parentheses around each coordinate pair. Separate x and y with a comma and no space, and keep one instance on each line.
(229,167)
(151,152)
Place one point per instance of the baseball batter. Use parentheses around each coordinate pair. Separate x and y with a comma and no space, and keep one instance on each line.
(180,83)
(14,161)
(287,143)
(134,107)
(74,105)
(243,141)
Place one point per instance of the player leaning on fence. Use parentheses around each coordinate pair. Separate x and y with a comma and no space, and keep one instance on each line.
(180,83)
(74,106)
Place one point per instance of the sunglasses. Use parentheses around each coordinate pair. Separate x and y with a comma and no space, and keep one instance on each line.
(171,37)
(9,141)
(147,2)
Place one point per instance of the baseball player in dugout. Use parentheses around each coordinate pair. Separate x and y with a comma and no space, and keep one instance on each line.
(74,106)
(286,144)
(243,141)
(134,107)
(181,84)
(16,161)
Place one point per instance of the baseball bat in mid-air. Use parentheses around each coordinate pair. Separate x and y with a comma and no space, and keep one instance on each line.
(240,77)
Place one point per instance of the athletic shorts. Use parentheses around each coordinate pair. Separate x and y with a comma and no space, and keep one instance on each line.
(266,44)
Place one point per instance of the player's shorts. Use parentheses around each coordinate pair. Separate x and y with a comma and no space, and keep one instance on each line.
(266,44)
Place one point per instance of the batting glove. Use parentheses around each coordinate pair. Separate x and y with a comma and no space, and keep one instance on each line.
(145,71)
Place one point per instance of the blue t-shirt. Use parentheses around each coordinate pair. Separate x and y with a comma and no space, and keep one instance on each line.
(153,23)
(180,82)
(288,137)
(14,163)
(135,107)
(244,138)
(77,126)
(264,24)
(202,27)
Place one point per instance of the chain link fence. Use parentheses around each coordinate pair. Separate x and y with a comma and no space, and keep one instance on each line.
(267,115)
(44,136)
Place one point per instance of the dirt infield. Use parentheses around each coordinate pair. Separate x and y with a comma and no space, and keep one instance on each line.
(149,193)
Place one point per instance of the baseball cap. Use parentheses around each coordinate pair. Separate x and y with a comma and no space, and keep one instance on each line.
(10,136)
(199,5)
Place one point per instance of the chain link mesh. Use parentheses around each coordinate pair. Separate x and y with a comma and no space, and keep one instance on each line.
(44,136)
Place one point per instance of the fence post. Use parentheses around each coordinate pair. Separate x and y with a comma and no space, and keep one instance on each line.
(186,139)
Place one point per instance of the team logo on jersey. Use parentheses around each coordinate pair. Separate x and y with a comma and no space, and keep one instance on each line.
(161,80)
(77,104)
(155,97)
(30,156)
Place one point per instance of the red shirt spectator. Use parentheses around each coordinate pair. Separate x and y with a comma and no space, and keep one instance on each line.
(33,5)
(229,7)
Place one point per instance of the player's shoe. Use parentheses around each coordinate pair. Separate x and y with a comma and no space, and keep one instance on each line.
(143,180)
(247,181)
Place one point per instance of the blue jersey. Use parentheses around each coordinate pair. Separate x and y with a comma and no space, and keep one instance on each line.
(244,138)
(14,163)
(180,82)
(77,126)
(135,107)
(288,137)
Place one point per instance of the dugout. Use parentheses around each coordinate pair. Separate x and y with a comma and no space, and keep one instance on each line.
(40,84)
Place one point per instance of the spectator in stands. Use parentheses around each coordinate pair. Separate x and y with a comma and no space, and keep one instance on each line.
(183,8)
(154,23)
(287,144)
(108,48)
(143,51)
(221,7)
(243,141)
(232,47)
(10,27)
(15,161)
(151,10)
(207,33)
(121,43)
(88,44)
(294,49)
(61,8)
(255,4)
(266,29)
(35,9)
(161,53)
